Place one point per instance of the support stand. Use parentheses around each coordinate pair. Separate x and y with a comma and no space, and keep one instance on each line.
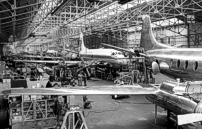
(156,113)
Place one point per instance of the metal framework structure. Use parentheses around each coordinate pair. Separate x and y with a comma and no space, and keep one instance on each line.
(116,20)
(106,17)
(69,12)
(18,18)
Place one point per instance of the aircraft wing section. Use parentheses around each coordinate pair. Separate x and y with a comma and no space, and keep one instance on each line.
(93,90)
(30,56)
(46,61)
(189,118)
(37,61)
(121,49)
(118,48)
(178,45)
(72,62)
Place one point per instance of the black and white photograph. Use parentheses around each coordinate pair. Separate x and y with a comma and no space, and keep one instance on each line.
(100,64)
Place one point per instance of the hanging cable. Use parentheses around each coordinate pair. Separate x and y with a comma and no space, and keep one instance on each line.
(115,109)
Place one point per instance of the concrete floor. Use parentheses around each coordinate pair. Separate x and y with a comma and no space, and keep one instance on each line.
(135,112)
(129,113)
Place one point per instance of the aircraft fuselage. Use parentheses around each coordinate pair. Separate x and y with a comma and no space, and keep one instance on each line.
(172,102)
(105,55)
(184,63)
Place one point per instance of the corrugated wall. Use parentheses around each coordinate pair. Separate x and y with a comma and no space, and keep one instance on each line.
(94,41)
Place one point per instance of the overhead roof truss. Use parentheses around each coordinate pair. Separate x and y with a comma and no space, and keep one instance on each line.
(117,19)
(72,11)
(31,13)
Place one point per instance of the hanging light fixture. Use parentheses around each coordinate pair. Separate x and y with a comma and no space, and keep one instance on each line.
(156,11)
(65,22)
(182,14)
(177,5)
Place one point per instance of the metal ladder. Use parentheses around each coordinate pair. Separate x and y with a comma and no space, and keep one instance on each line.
(74,120)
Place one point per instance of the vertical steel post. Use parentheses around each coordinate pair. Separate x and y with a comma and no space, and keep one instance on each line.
(14,19)
(156,113)
(145,71)
(188,35)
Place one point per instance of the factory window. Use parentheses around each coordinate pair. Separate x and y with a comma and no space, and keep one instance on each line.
(196,65)
(171,62)
(178,63)
(186,64)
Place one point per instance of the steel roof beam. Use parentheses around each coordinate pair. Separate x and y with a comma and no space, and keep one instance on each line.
(30,17)
(127,16)
(5,8)
(112,16)
(1,34)
(16,8)
(17,24)
(42,7)
(16,27)
(48,11)
(17,30)
(14,23)
(19,27)
(79,8)
(21,14)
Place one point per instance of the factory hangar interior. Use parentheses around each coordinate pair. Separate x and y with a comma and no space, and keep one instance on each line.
(100,64)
